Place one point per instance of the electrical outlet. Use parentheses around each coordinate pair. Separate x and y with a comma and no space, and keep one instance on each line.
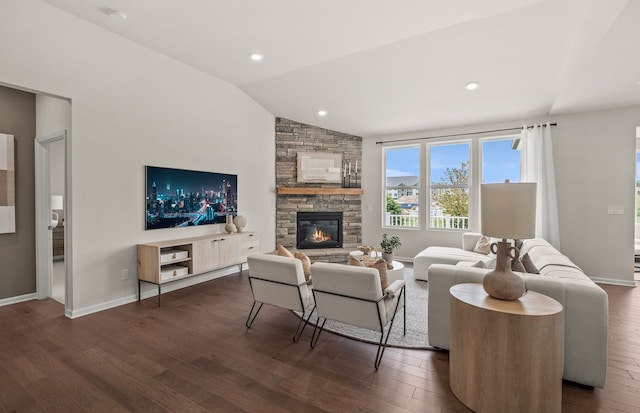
(615,210)
(124,274)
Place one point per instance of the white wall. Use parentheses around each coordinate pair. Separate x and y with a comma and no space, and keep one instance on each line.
(133,107)
(595,167)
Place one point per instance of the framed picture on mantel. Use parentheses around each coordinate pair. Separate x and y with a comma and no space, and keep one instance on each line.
(319,167)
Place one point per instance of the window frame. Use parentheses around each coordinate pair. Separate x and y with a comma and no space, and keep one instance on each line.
(385,188)
(427,198)
(424,180)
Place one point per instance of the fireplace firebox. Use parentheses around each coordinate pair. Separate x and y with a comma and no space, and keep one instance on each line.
(319,230)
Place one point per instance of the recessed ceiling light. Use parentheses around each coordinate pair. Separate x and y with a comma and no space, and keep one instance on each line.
(116,15)
(322,113)
(256,56)
(472,85)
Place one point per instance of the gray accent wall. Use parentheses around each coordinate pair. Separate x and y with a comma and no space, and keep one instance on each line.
(18,250)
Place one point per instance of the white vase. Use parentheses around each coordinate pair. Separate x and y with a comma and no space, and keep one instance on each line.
(240,222)
(230,227)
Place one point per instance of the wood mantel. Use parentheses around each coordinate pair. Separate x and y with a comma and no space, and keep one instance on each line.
(319,191)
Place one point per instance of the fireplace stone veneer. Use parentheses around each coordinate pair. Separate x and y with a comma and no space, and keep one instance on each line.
(292,137)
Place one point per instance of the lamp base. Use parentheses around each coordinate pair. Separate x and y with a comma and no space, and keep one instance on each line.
(502,283)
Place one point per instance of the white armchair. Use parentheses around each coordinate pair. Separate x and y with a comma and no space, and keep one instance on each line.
(279,281)
(353,295)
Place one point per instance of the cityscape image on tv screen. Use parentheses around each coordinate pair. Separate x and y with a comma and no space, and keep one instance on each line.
(182,198)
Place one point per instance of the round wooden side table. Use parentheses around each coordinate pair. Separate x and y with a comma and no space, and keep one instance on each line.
(505,356)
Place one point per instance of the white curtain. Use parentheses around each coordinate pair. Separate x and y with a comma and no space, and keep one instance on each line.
(537,166)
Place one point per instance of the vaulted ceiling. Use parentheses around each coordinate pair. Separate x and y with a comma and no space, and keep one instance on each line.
(381,67)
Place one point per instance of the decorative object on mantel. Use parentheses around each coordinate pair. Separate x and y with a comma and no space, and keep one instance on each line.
(319,167)
(508,212)
(8,187)
(230,227)
(388,244)
(350,180)
(240,222)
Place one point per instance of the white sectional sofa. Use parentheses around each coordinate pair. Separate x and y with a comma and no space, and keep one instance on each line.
(447,255)
(585,304)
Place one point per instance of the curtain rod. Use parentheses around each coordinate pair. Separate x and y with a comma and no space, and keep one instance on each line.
(464,134)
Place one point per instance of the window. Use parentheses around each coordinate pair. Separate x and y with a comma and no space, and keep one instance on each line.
(449,185)
(500,161)
(448,199)
(402,186)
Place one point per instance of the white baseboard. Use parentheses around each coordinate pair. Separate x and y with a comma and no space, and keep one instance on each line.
(613,281)
(151,290)
(18,299)
(71,313)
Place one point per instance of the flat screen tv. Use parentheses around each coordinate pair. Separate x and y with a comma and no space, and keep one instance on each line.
(183,198)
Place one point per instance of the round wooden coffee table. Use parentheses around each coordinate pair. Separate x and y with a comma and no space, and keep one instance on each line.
(505,356)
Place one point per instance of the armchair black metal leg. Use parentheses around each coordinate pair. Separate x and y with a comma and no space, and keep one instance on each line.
(299,330)
(249,319)
(404,309)
(382,347)
(314,338)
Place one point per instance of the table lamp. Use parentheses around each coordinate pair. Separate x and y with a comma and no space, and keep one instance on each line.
(57,204)
(508,212)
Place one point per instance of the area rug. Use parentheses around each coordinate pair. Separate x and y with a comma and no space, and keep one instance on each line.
(416,336)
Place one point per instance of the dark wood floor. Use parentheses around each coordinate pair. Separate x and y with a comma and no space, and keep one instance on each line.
(194,354)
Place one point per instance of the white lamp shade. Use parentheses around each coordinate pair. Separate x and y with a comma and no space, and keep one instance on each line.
(57,202)
(509,210)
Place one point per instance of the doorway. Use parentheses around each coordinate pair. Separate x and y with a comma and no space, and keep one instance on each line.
(636,232)
(51,230)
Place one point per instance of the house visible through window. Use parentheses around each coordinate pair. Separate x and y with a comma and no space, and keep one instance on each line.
(402,186)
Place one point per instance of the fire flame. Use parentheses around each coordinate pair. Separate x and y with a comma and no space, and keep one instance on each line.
(320,236)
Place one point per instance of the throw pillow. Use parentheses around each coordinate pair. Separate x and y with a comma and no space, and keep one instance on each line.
(379,264)
(483,246)
(306,264)
(283,252)
(518,243)
(528,264)
(491,264)
(354,261)
(516,265)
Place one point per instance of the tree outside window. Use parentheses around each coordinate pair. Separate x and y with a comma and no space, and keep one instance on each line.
(449,187)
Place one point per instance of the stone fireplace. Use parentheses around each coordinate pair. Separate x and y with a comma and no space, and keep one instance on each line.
(319,230)
(293,196)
